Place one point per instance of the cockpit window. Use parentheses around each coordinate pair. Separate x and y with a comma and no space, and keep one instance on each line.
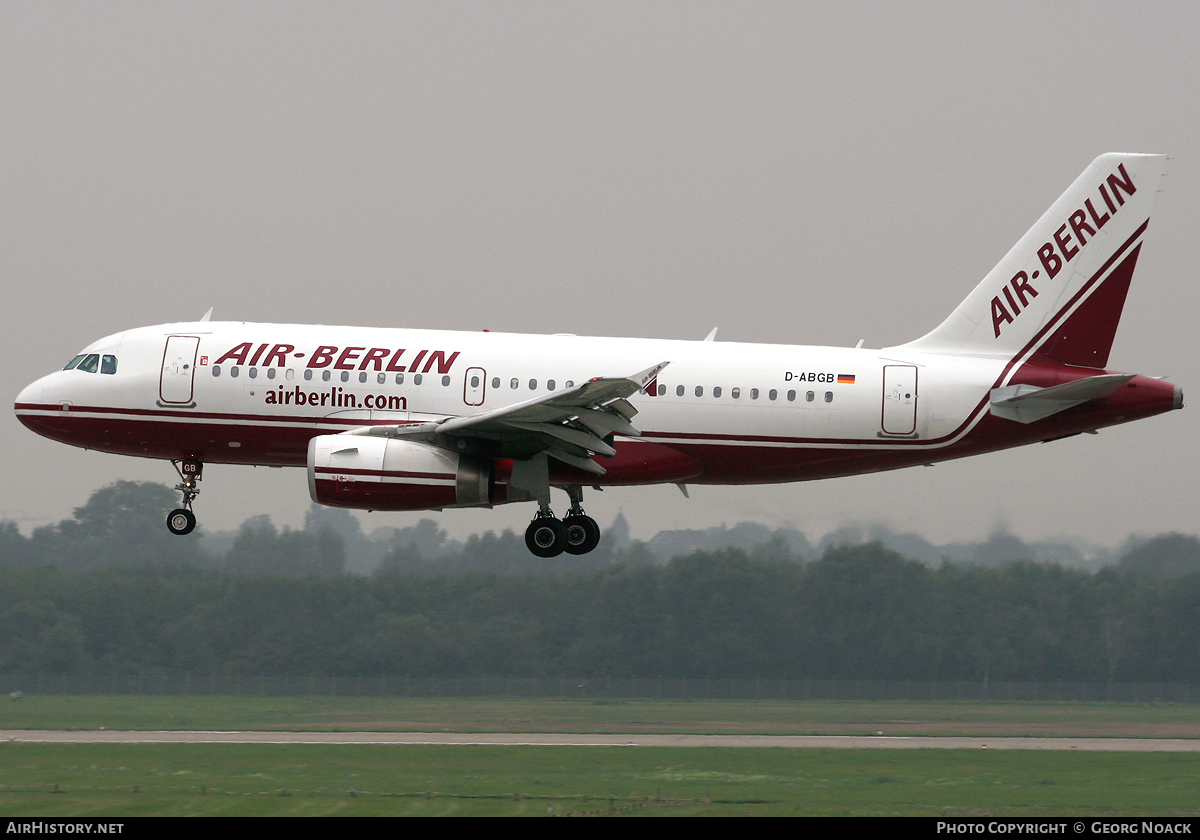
(108,364)
(90,362)
(74,363)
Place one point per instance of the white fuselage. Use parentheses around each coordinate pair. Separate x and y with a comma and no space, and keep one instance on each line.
(227,392)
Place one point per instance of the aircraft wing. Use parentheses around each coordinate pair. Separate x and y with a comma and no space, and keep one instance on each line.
(569,425)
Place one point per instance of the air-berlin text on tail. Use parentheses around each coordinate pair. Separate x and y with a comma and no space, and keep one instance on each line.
(1064,245)
(342,358)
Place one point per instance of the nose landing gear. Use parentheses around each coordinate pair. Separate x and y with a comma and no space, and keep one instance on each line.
(577,533)
(181,520)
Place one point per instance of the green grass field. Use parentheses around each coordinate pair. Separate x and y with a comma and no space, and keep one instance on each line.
(115,780)
(545,715)
(309,780)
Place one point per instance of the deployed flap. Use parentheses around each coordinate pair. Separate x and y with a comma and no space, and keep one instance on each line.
(567,425)
(1029,403)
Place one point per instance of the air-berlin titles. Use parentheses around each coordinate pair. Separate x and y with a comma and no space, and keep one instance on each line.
(342,358)
(335,397)
(1061,249)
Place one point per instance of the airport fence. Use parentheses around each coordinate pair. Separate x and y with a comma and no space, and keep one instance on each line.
(675,688)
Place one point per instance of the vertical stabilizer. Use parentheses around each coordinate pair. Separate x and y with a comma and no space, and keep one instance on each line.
(1062,286)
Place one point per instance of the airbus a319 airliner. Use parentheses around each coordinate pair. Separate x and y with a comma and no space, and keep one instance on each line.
(411,419)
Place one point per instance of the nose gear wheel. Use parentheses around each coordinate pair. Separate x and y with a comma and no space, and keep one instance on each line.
(182,521)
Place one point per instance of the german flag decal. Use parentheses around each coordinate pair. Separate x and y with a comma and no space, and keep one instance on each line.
(845,378)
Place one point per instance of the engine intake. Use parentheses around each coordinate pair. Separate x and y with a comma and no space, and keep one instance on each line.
(375,473)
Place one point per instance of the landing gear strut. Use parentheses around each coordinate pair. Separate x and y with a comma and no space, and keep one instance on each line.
(577,533)
(181,520)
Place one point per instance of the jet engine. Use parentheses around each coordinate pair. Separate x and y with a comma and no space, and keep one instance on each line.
(379,473)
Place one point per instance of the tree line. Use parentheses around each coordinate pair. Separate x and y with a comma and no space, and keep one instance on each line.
(860,612)
(122,526)
(109,590)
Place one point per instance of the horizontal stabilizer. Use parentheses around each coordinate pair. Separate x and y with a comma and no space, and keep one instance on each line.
(1029,403)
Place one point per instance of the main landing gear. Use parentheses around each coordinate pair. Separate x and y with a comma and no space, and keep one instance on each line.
(181,520)
(576,533)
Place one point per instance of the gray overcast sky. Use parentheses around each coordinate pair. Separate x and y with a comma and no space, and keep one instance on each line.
(790,172)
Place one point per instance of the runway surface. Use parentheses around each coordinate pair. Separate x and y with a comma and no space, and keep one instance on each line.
(843,742)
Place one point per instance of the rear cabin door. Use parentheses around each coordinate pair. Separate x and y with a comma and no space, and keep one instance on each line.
(179,367)
(899,399)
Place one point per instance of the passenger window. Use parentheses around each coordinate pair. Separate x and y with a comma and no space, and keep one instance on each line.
(753,393)
(345,376)
(662,389)
(74,363)
(550,385)
(307,375)
(829,396)
(216,370)
(381,378)
(474,381)
(362,377)
(791,396)
(399,378)
(514,384)
(233,372)
(773,394)
(679,391)
(809,396)
(325,375)
(289,374)
(717,391)
(270,373)
(445,380)
(417,378)
(90,362)
(699,390)
(108,364)
(570,384)
(735,392)
(495,381)
(532,384)
(252,373)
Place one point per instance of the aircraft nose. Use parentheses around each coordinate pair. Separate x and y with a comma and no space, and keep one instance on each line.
(31,404)
(31,394)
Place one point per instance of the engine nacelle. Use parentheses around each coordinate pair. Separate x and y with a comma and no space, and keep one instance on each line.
(377,473)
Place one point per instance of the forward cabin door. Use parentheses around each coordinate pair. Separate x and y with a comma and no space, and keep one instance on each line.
(178,370)
(899,399)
